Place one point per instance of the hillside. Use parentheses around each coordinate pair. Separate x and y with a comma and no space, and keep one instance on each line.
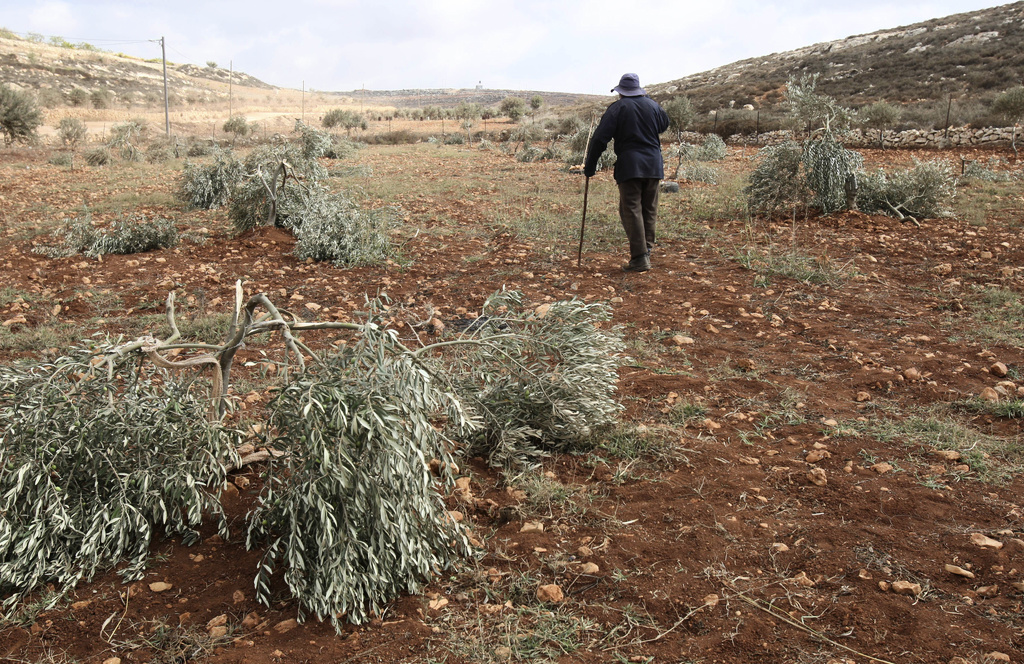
(54,73)
(968,56)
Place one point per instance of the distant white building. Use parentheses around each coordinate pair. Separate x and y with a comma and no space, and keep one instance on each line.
(479,85)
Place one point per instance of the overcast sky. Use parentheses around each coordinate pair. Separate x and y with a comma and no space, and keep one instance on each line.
(553,45)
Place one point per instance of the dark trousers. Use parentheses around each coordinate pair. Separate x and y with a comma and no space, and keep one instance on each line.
(638,210)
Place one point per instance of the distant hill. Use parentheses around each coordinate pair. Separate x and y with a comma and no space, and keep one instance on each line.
(970,56)
(451,97)
(55,72)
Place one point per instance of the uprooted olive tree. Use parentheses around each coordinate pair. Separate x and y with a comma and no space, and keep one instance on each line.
(109,444)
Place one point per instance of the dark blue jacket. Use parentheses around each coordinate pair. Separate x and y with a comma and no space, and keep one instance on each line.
(635,123)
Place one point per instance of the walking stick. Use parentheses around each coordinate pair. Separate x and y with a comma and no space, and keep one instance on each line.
(583,224)
(586,193)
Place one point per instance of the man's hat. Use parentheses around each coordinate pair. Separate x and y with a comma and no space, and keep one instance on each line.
(629,86)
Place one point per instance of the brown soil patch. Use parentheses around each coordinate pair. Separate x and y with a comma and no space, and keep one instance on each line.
(778,369)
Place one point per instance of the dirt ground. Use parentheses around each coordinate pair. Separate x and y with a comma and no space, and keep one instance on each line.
(819,457)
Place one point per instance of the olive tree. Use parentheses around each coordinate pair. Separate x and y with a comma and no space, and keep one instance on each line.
(19,116)
(1010,105)
(512,108)
(879,115)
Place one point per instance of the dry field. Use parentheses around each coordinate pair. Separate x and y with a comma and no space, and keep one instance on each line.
(803,458)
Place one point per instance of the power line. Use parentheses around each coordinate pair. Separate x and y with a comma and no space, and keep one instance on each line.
(113,42)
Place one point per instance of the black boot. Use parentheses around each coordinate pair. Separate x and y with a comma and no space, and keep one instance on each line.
(639,264)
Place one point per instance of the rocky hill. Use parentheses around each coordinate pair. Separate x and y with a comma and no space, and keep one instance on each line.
(970,56)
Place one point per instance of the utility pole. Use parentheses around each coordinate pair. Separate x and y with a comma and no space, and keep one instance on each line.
(231,75)
(167,110)
(303,100)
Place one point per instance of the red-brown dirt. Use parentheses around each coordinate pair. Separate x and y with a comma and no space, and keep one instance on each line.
(722,550)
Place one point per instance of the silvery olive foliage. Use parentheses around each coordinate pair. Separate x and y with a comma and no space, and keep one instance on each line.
(209,186)
(130,234)
(538,380)
(352,512)
(93,462)
(827,165)
(923,191)
(275,180)
(331,227)
(778,180)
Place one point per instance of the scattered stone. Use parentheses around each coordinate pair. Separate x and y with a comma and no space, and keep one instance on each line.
(503,652)
(584,552)
(112,660)
(988,591)
(882,468)
(682,340)
(749,461)
(159,586)
(542,310)
(948,455)
(251,620)
(217,632)
(438,603)
(906,588)
(990,395)
(711,601)
(242,482)
(998,369)
(959,571)
(996,656)
(218,621)
(814,456)
(286,625)
(238,597)
(590,568)
(863,396)
(779,547)
(817,476)
(912,374)
(803,580)
(864,575)
(78,606)
(981,540)
(550,593)
(830,423)
(532,527)
(943,268)
(884,586)
(746,364)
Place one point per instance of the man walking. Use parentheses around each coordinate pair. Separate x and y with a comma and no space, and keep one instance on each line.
(635,121)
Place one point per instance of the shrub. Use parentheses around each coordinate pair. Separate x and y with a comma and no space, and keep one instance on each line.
(351,511)
(101,98)
(209,186)
(681,114)
(314,142)
(125,137)
(127,235)
(98,156)
(924,191)
(777,182)
(61,159)
(71,132)
(454,139)
(238,126)
(19,116)
(200,149)
(333,228)
(78,97)
(990,173)
(84,485)
(529,154)
(543,380)
(699,172)
(712,148)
